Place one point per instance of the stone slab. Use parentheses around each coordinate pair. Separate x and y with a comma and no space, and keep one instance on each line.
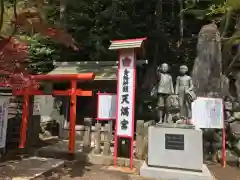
(127,170)
(160,155)
(173,174)
(181,126)
(28,168)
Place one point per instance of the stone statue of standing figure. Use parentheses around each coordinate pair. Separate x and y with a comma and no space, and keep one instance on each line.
(164,90)
(184,89)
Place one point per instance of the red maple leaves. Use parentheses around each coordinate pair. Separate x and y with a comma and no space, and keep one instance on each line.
(12,56)
(31,21)
(13,53)
(60,36)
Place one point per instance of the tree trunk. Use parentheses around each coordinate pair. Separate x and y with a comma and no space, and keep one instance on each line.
(1,13)
(181,20)
(63,13)
(150,77)
(237,72)
(233,66)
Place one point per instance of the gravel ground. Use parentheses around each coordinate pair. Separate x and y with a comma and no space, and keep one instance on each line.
(228,173)
(77,171)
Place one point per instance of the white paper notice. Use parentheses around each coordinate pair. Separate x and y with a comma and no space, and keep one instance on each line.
(208,113)
(106,106)
(3,121)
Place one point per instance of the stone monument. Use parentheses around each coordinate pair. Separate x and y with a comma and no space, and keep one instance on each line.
(177,155)
(164,90)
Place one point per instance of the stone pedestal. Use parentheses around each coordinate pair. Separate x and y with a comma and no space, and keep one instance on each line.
(175,152)
(175,174)
(175,148)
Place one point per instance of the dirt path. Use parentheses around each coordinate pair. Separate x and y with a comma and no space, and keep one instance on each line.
(77,171)
(228,173)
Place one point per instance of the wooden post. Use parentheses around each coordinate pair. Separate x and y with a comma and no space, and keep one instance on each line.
(81,132)
(33,126)
(87,132)
(93,134)
(61,120)
(73,104)
(145,142)
(97,138)
(107,139)
(110,130)
(140,138)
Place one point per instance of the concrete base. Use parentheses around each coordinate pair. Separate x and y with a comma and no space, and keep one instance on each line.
(172,174)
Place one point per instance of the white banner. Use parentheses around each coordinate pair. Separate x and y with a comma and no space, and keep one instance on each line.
(125,96)
(208,113)
(3,121)
(106,106)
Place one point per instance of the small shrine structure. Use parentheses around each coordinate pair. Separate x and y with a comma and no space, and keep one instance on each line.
(73,92)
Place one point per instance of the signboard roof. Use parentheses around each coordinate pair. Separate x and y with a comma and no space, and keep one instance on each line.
(126,44)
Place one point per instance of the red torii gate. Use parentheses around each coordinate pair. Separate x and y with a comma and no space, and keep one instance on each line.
(73,92)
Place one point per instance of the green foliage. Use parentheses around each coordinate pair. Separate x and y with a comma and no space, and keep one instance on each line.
(235,39)
(42,52)
(226,14)
(212,11)
(94,23)
(235,4)
(38,46)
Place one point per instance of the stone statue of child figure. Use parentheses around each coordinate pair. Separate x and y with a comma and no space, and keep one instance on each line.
(184,86)
(165,89)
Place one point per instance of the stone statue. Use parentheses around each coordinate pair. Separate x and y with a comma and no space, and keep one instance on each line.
(184,87)
(164,90)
